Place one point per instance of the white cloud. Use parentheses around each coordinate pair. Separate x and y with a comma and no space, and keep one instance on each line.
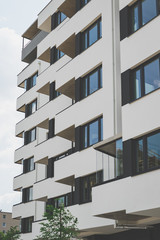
(10,66)
(3,19)
(9,199)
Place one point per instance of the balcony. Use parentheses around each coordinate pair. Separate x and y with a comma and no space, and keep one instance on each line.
(29,52)
(75,165)
(23,210)
(45,150)
(43,114)
(48,188)
(68,7)
(24,180)
(84,112)
(125,200)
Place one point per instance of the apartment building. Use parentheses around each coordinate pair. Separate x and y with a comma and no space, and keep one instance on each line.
(91,123)
(6,221)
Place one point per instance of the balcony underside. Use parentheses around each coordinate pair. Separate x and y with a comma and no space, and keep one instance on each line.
(68,8)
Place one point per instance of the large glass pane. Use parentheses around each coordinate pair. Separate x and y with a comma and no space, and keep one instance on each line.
(119,158)
(152,76)
(93,82)
(34,106)
(34,79)
(33,134)
(135,18)
(139,156)
(153,151)
(85,190)
(31,164)
(93,34)
(84,87)
(30,194)
(101,122)
(86,40)
(137,84)
(85,137)
(93,133)
(92,182)
(149,10)
(100,80)
(100,29)
(63,17)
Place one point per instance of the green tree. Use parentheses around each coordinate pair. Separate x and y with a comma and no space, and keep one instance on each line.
(59,224)
(11,234)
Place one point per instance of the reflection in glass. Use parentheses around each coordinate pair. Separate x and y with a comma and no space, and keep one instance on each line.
(119,158)
(93,34)
(31,164)
(31,194)
(93,133)
(149,10)
(153,151)
(34,106)
(33,134)
(135,19)
(34,79)
(93,82)
(137,84)
(139,156)
(152,76)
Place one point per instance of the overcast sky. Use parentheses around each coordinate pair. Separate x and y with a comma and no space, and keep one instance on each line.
(15,17)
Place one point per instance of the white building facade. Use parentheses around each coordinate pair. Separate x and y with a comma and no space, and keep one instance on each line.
(91,125)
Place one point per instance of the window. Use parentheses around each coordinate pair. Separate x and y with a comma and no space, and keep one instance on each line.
(60,17)
(92,34)
(91,83)
(27,194)
(28,165)
(110,161)
(31,82)
(56,19)
(59,54)
(4,224)
(4,231)
(32,135)
(146,78)
(84,2)
(148,152)
(92,133)
(142,12)
(29,136)
(56,54)
(31,108)
(87,183)
(26,225)
(60,201)
(4,216)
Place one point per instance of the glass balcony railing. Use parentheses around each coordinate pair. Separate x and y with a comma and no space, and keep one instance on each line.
(109,162)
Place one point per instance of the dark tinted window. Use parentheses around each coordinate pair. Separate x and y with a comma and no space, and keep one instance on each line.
(87,184)
(91,83)
(146,78)
(92,133)
(92,34)
(142,12)
(148,152)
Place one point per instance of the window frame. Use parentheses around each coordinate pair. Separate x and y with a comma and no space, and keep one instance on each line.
(27,165)
(59,15)
(139,4)
(145,156)
(98,22)
(100,131)
(89,188)
(100,82)
(25,224)
(142,84)
(30,107)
